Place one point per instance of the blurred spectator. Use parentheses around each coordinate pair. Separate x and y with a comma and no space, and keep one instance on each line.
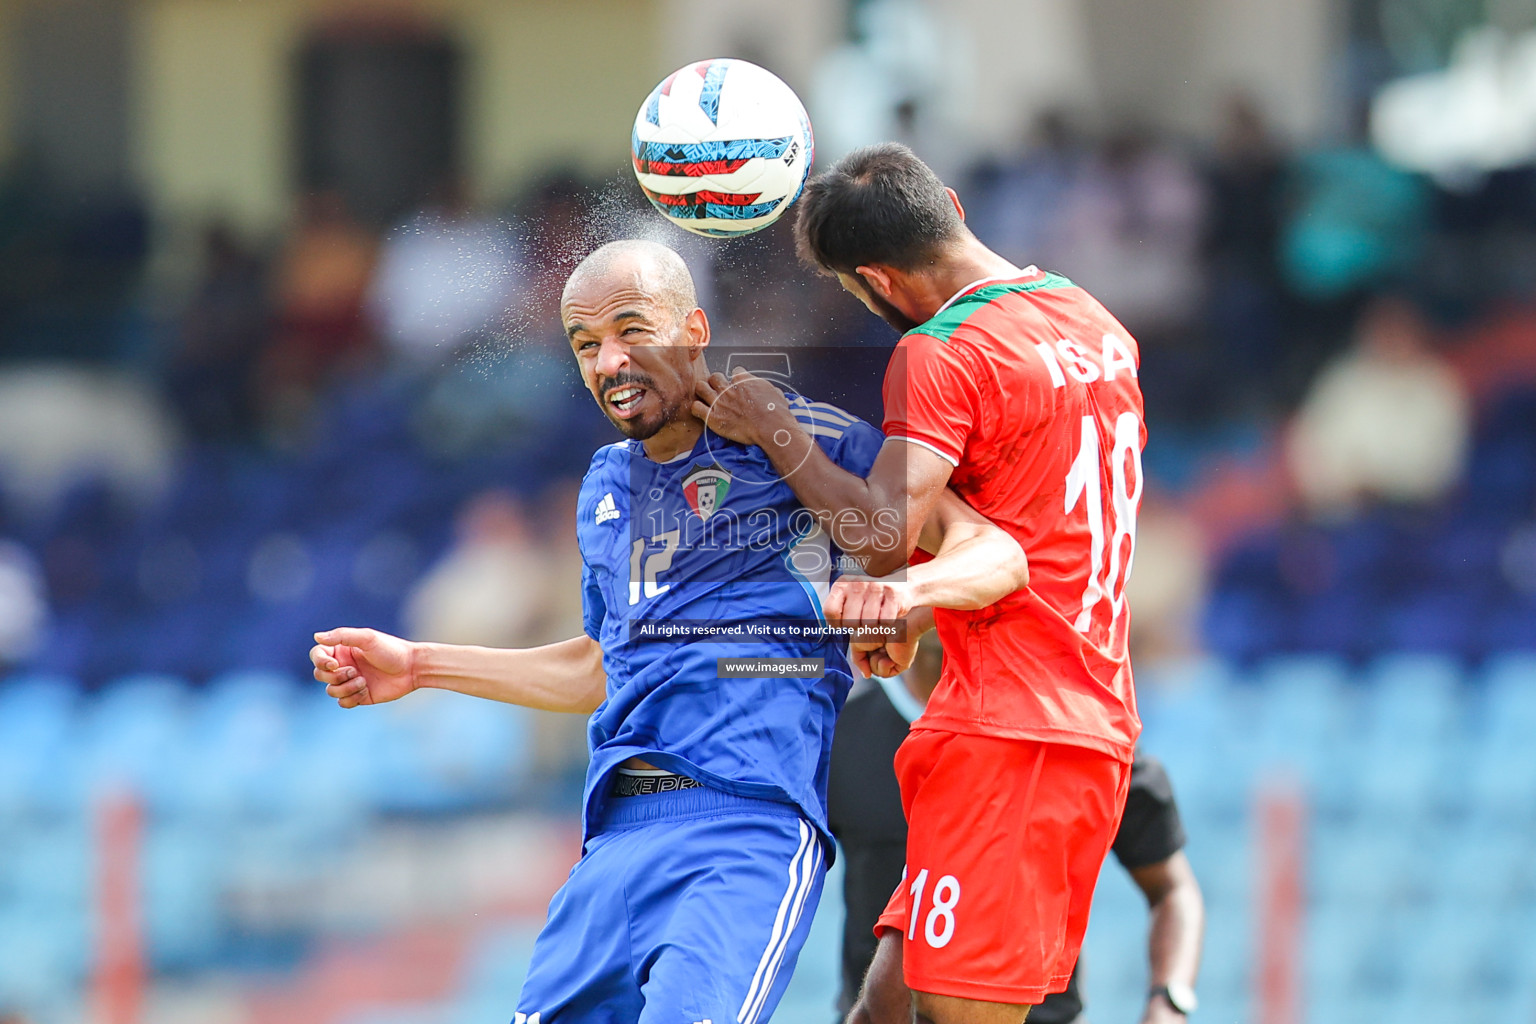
(60,425)
(1499,355)
(1353,222)
(321,279)
(563,616)
(556,236)
(23,605)
(1168,589)
(1130,230)
(492,588)
(221,331)
(560,742)
(445,276)
(1017,207)
(1387,420)
(906,78)
(1244,182)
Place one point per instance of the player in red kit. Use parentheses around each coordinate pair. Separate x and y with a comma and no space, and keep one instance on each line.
(1018,390)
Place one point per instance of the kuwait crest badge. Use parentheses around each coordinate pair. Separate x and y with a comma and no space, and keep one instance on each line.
(706,488)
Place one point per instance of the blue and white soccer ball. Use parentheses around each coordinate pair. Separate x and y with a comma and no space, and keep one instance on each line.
(722,147)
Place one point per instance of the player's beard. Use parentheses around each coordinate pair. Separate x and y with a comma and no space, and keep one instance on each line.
(887,312)
(641,427)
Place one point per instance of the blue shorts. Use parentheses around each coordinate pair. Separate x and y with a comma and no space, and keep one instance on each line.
(689,906)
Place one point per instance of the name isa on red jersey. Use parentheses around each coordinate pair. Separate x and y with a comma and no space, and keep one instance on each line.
(1028,386)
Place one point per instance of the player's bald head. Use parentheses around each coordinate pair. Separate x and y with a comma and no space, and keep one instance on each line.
(654,270)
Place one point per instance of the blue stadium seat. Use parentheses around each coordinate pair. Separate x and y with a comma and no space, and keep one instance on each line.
(1414,698)
(1363,549)
(1412,747)
(1337,937)
(70,636)
(1509,689)
(243,740)
(182,872)
(135,735)
(48,865)
(1501,782)
(1489,867)
(1466,557)
(1508,967)
(1215,779)
(1114,950)
(271,637)
(1426,621)
(175,640)
(1220,850)
(1179,700)
(1407,781)
(1501,475)
(1304,710)
(447,751)
(1242,623)
(1509,624)
(1342,622)
(1382,965)
(36,709)
(1227,966)
(37,724)
(1329,1007)
(1362,865)
(42,956)
(1446,947)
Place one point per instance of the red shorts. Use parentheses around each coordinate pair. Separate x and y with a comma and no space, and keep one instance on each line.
(1005,844)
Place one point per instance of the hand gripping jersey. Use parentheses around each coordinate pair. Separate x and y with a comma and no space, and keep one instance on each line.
(714,539)
(1028,386)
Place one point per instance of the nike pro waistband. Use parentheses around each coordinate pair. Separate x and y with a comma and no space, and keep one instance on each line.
(643,782)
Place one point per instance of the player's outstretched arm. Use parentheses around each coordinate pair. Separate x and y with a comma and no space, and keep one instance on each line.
(365,666)
(876,519)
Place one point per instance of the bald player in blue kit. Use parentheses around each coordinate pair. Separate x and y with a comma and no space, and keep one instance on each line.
(704,814)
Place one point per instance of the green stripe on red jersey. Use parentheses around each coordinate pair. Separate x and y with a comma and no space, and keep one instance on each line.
(947,321)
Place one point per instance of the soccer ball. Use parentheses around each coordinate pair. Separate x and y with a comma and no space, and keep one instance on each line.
(722,147)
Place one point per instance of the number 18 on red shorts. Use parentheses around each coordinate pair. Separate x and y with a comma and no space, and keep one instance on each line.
(1005,841)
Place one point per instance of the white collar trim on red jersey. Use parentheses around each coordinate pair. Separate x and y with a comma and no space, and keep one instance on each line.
(1028,271)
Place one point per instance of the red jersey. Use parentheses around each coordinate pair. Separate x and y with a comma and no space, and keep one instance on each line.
(1028,386)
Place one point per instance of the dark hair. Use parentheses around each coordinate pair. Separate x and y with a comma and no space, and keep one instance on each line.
(879,204)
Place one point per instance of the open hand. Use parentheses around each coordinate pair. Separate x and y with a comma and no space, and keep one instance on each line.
(741,407)
(363,666)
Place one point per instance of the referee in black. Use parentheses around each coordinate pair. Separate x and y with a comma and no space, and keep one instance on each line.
(864,806)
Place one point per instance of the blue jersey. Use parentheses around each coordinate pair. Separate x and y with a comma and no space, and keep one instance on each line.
(713,538)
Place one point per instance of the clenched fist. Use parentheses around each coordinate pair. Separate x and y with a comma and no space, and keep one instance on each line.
(857,600)
(363,666)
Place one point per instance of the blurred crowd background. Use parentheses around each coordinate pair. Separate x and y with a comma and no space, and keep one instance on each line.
(279,350)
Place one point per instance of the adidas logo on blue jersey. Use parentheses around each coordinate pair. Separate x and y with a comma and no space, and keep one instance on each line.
(606,509)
